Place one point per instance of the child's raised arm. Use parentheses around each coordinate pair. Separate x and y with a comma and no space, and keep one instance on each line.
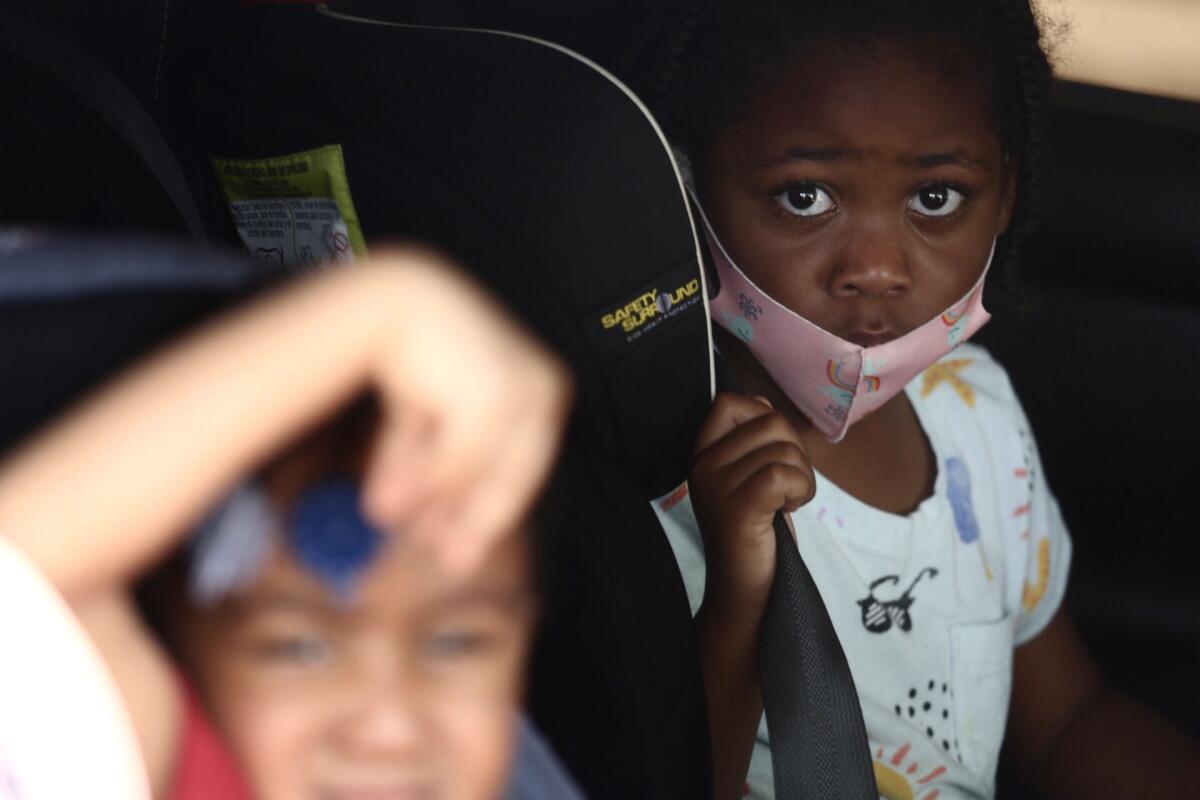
(470,399)
(473,408)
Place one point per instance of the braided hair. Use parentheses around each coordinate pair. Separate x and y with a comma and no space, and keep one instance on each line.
(723,51)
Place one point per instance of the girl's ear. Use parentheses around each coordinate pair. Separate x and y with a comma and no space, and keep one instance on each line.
(1008,192)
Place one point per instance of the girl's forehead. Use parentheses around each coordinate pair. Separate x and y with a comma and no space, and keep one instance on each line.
(400,581)
(891,97)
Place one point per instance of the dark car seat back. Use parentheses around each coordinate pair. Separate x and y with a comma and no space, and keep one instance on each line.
(544,178)
(91,157)
(532,183)
(74,310)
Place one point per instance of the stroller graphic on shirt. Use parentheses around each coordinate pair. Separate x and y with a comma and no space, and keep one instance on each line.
(879,616)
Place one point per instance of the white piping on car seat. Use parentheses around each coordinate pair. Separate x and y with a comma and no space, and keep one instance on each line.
(637,101)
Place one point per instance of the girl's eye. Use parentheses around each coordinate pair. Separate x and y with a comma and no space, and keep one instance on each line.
(937,200)
(457,644)
(306,651)
(805,200)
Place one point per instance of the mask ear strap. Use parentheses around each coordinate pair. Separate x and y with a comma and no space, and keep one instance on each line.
(711,276)
(714,279)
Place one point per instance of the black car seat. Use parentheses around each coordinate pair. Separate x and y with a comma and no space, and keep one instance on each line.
(91,156)
(550,181)
(75,309)
(102,163)
(462,161)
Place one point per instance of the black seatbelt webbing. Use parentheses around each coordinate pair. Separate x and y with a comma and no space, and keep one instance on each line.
(819,745)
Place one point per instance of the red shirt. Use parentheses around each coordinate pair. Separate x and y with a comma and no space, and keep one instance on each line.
(204,767)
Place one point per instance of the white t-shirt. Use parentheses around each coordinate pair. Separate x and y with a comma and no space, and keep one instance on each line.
(64,727)
(929,606)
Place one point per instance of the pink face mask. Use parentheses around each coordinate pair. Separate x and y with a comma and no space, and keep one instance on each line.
(833,382)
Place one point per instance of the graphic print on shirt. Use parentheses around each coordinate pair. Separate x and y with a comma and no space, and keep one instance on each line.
(1027,474)
(947,372)
(1033,592)
(878,616)
(674,498)
(928,708)
(958,492)
(899,777)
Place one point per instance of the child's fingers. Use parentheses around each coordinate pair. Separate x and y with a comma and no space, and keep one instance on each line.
(799,486)
(772,487)
(395,481)
(761,431)
(728,412)
(479,477)
(496,499)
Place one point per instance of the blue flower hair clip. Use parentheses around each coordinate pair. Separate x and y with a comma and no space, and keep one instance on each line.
(329,535)
(326,532)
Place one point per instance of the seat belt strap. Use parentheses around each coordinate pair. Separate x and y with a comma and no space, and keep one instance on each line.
(819,746)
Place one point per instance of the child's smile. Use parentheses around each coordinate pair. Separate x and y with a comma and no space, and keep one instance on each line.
(866,201)
(404,690)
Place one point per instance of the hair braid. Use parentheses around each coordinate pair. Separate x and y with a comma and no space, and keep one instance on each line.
(663,94)
(1033,74)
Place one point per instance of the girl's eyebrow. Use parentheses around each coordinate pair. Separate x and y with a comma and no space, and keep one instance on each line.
(281,601)
(823,154)
(957,157)
(954,158)
(508,598)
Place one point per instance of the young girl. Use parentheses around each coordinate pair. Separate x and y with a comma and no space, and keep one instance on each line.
(861,166)
(334,662)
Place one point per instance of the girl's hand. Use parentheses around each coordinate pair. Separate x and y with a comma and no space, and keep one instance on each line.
(750,463)
(473,411)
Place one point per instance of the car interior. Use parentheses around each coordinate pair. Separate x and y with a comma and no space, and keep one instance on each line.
(507,136)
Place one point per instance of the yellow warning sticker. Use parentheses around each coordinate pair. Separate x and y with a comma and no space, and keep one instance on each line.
(294,210)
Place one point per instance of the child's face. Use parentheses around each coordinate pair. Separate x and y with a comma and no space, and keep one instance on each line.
(405,691)
(863,189)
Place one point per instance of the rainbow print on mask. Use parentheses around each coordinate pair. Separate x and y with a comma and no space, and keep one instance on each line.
(834,371)
(951,317)
(871,368)
(841,392)
(956,321)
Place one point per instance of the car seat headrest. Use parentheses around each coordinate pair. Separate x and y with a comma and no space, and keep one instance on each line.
(536,169)
(91,156)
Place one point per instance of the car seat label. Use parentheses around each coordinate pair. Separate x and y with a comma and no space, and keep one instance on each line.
(648,310)
(293,211)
